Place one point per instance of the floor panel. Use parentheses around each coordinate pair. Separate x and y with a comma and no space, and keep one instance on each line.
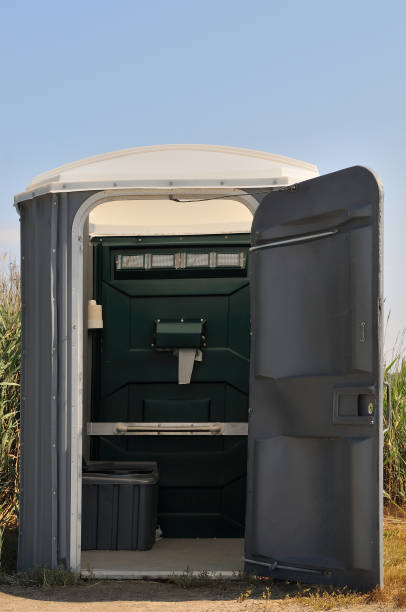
(168,557)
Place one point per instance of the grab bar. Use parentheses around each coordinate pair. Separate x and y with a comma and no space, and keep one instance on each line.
(174,429)
(123,428)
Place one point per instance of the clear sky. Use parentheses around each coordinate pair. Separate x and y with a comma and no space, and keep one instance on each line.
(317,80)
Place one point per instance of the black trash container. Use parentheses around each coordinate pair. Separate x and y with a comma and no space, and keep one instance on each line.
(119,505)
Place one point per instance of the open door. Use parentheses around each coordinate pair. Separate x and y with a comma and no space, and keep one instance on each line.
(315,431)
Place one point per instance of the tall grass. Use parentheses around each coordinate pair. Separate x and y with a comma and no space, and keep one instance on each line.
(394,461)
(10,337)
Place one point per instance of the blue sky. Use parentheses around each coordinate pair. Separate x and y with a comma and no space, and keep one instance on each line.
(317,80)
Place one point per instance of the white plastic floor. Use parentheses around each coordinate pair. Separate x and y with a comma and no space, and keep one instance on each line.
(168,557)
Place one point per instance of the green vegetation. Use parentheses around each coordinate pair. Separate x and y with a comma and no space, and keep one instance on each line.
(10,337)
(395,438)
(188,579)
(40,577)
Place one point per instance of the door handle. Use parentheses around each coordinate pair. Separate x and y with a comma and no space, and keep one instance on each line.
(388,406)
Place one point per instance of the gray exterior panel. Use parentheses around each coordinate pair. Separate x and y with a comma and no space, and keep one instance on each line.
(37,543)
(315,451)
(46,234)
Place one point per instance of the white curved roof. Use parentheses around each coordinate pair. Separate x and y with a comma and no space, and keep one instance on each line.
(172,167)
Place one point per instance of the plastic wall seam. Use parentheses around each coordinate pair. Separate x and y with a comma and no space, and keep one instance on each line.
(54,376)
(34,391)
(22,382)
(62,421)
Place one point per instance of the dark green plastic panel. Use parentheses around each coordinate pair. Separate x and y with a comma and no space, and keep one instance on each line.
(202,478)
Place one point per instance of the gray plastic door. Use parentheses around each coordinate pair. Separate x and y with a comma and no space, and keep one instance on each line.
(314,500)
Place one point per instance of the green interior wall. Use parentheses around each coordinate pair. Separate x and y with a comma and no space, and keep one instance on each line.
(202,478)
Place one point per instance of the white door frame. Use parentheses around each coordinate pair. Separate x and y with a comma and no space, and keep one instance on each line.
(76,421)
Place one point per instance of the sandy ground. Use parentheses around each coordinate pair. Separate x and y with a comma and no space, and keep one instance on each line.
(106,596)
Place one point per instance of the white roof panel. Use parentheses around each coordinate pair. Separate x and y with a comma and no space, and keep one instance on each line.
(172,167)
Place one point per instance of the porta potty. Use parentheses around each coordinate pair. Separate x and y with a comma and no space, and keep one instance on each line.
(214,313)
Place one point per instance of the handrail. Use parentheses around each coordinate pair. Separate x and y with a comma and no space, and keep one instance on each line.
(170,429)
(214,428)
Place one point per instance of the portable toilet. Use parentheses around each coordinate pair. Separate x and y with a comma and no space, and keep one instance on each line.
(201,367)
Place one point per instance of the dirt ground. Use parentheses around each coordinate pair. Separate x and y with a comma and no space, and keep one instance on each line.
(137,595)
(185,594)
